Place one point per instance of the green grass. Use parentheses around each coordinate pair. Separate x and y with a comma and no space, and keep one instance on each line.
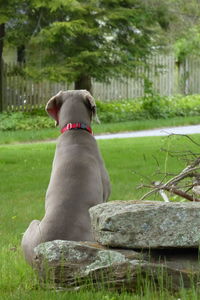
(144,124)
(25,172)
(100,295)
(8,137)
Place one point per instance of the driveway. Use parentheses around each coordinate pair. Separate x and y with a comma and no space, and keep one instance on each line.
(192,129)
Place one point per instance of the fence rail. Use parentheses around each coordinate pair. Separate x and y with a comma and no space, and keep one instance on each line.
(20,93)
(167,77)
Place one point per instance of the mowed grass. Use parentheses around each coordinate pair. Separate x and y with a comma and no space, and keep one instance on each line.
(24,176)
(9,137)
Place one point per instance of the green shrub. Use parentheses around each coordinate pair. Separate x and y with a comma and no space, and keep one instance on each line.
(185,106)
(24,121)
(156,107)
(125,110)
(149,107)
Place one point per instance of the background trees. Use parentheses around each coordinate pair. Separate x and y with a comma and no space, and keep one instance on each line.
(76,41)
(10,11)
(6,10)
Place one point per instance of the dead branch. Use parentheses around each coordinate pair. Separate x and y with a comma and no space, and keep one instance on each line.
(189,171)
(183,135)
(182,194)
(186,184)
(172,190)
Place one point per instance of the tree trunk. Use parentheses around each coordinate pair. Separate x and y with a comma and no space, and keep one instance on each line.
(21,56)
(84,82)
(2,34)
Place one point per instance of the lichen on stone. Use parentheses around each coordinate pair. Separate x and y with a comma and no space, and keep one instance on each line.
(105,258)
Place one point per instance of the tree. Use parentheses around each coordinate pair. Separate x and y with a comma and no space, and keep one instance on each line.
(2,33)
(76,41)
(183,33)
(4,15)
(9,9)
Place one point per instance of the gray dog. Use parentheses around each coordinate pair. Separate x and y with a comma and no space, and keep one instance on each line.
(78,180)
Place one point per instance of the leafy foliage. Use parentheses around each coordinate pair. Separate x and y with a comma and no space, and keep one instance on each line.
(188,46)
(151,107)
(23,121)
(67,40)
(184,33)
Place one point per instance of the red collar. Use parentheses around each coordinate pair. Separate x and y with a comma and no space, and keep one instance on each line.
(70,126)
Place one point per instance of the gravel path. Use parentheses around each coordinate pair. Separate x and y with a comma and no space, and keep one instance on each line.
(152,132)
(140,133)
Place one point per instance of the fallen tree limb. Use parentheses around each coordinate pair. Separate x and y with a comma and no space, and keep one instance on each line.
(171,190)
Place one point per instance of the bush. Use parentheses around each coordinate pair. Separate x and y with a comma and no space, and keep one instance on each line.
(125,110)
(24,121)
(149,107)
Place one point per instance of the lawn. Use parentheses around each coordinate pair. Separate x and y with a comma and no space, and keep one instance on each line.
(11,136)
(25,172)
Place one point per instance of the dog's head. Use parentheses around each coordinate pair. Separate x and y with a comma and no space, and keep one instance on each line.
(72,106)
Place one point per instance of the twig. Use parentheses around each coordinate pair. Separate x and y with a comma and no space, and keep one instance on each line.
(185,173)
(38,25)
(172,190)
(161,192)
(150,192)
(185,135)
(182,194)
(164,196)
(173,185)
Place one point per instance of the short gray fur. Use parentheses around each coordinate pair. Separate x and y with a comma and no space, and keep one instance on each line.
(78,179)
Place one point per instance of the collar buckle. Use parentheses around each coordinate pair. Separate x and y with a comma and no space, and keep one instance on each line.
(69,126)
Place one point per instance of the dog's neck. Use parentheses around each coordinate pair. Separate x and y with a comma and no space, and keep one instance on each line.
(74,111)
(78,125)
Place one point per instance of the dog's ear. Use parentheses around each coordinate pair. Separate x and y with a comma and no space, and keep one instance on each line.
(92,104)
(53,106)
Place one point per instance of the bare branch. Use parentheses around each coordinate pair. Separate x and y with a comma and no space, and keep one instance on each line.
(185,173)
(184,135)
(172,190)
(182,194)
(184,182)
(156,190)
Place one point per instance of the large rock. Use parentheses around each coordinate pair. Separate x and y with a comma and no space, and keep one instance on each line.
(75,265)
(147,224)
(72,265)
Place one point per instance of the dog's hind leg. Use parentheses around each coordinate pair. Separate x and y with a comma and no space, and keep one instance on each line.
(31,238)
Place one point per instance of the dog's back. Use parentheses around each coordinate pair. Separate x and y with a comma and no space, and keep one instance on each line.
(79,175)
(78,180)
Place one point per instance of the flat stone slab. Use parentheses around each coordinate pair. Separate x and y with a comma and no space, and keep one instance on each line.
(68,265)
(147,224)
(73,265)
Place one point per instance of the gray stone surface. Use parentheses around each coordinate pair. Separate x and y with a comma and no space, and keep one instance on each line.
(76,265)
(147,224)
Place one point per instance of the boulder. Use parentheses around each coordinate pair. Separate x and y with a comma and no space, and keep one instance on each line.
(147,224)
(72,265)
(76,265)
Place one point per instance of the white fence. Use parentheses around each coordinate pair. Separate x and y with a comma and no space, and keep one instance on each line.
(167,77)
